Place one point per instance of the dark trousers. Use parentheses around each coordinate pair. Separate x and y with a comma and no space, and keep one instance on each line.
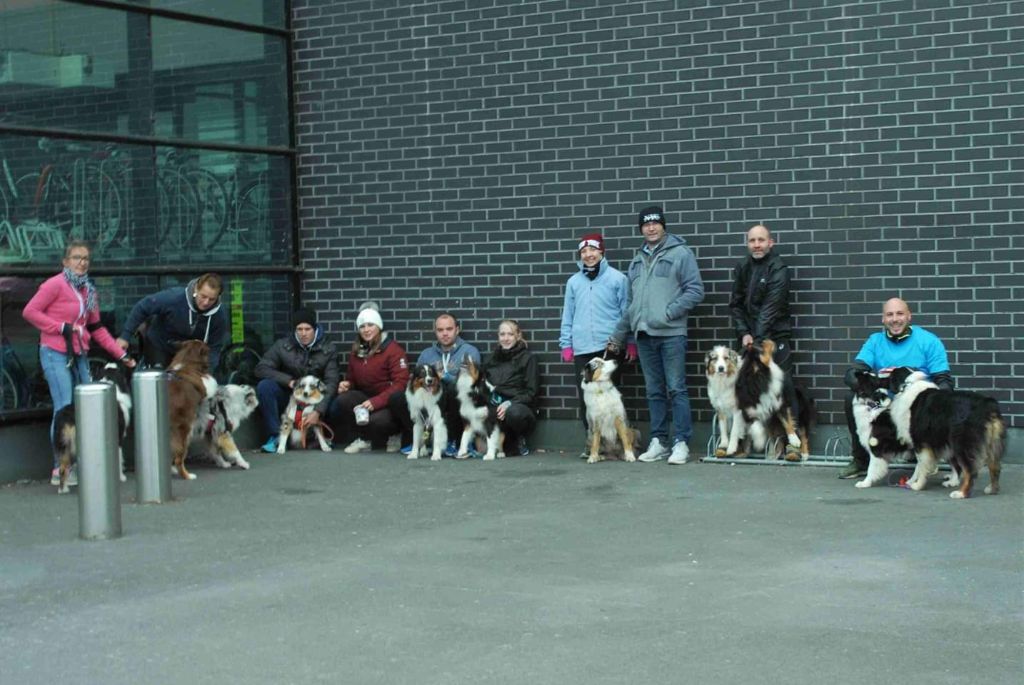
(382,423)
(520,420)
(579,362)
(858,454)
(273,399)
(399,407)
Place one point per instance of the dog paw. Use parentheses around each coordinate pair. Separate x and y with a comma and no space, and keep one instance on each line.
(794,440)
(124,478)
(863,483)
(720,452)
(435,457)
(593,458)
(242,464)
(918,484)
(956,494)
(991,490)
(462,455)
(489,456)
(281,449)
(412,455)
(64,490)
(629,456)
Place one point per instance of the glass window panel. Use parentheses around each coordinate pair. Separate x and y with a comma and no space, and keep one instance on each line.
(269,13)
(258,309)
(139,209)
(219,85)
(67,65)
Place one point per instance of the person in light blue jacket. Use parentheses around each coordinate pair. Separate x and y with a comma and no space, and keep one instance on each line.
(595,301)
(664,287)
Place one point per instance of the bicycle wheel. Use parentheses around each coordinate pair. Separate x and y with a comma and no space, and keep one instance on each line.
(10,397)
(213,205)
(181,208)
(252,218)
(46,197)
(103,211)
(238,365)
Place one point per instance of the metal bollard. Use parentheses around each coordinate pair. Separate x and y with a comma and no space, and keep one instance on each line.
(152,437)
(99,478)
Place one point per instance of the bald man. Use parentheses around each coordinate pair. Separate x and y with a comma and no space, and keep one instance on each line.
(760,297)
(897,344)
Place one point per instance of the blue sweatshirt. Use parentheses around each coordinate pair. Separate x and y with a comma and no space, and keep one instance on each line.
(592,308)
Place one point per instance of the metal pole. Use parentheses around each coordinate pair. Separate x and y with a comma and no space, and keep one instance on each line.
(152,437)
(99,478)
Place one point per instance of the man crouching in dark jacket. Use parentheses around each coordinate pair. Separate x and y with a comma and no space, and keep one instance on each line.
(304,353)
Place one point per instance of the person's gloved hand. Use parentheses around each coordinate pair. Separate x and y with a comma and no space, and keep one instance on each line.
(631,352)
(566,354)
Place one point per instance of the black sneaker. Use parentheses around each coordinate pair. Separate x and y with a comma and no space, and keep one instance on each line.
(852,470)
(522,448)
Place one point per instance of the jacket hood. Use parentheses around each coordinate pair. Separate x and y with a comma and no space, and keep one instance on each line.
(317,337)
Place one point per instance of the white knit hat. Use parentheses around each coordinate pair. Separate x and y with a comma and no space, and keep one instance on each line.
(368,314)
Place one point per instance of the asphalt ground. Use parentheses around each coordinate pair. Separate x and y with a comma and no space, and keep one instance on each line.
(368,568)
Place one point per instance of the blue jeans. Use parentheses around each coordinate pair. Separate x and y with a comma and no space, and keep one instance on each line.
(273,399)
(62,381)
(663,361)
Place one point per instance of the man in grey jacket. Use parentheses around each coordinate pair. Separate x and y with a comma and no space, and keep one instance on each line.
(664,286)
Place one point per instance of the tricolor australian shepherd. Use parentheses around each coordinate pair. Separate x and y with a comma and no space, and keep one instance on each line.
(64,424)
(478,414)
(760,404)
(964,427)
(224,412)
(306,395)
(606,414)
(189,383)
(720,366)
(425,396)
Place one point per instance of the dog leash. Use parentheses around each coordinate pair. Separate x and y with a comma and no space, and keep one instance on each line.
(328,432)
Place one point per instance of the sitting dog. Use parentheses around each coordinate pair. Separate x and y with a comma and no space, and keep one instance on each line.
(64,424)
(425,397)
(479,415)
(760,402)
(306,395)
(964,427)
(876,431)
(606,415)
(189,384)
(224,412)
(721,366)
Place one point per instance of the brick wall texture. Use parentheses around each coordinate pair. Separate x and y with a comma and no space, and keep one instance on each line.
(451,153)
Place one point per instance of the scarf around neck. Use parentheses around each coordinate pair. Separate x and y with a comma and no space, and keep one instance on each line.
(78,282)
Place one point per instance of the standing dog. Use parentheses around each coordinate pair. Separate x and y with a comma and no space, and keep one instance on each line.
(225,411)
(606,414)
(965,427)
(189,384)
(721,366)
(306,395)
(425,397)
(479,415)
(760,402)
(65,431)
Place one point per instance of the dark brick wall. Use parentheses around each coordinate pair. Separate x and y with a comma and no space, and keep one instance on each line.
(450,153)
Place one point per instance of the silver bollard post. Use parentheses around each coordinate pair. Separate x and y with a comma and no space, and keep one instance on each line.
(99,478)
(152,437)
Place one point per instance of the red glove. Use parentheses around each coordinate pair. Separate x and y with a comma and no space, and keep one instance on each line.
(631,352)
(566,354)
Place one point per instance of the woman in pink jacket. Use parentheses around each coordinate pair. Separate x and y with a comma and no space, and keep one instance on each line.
(66,311)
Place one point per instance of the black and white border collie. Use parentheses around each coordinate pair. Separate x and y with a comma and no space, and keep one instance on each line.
(224,412)
(606,415)
(721,366)
(425,396)
(478,414)
(307,393)
(64,424)
(760,404)
(966,428)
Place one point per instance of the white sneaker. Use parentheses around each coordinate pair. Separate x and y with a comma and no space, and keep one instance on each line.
(394,444)
(680,453)
(655,451)
(357,445)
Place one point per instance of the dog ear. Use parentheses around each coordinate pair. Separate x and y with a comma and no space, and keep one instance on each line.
(320,386)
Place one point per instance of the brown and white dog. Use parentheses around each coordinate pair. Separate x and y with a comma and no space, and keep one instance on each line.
(721,366)
(224,412)
(189,383)
(478,414)
(761,405)
(64,424)
(606,414)
(425,394)
(306,395)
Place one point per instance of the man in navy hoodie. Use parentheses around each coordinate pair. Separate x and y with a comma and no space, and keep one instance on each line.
(192,312)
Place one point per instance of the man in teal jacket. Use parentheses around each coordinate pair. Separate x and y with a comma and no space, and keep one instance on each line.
(664,286)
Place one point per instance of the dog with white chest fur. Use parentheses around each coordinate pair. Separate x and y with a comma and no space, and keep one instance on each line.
(606,415)
(306,395)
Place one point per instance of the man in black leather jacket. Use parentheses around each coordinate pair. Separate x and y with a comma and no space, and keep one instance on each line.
(760,297)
